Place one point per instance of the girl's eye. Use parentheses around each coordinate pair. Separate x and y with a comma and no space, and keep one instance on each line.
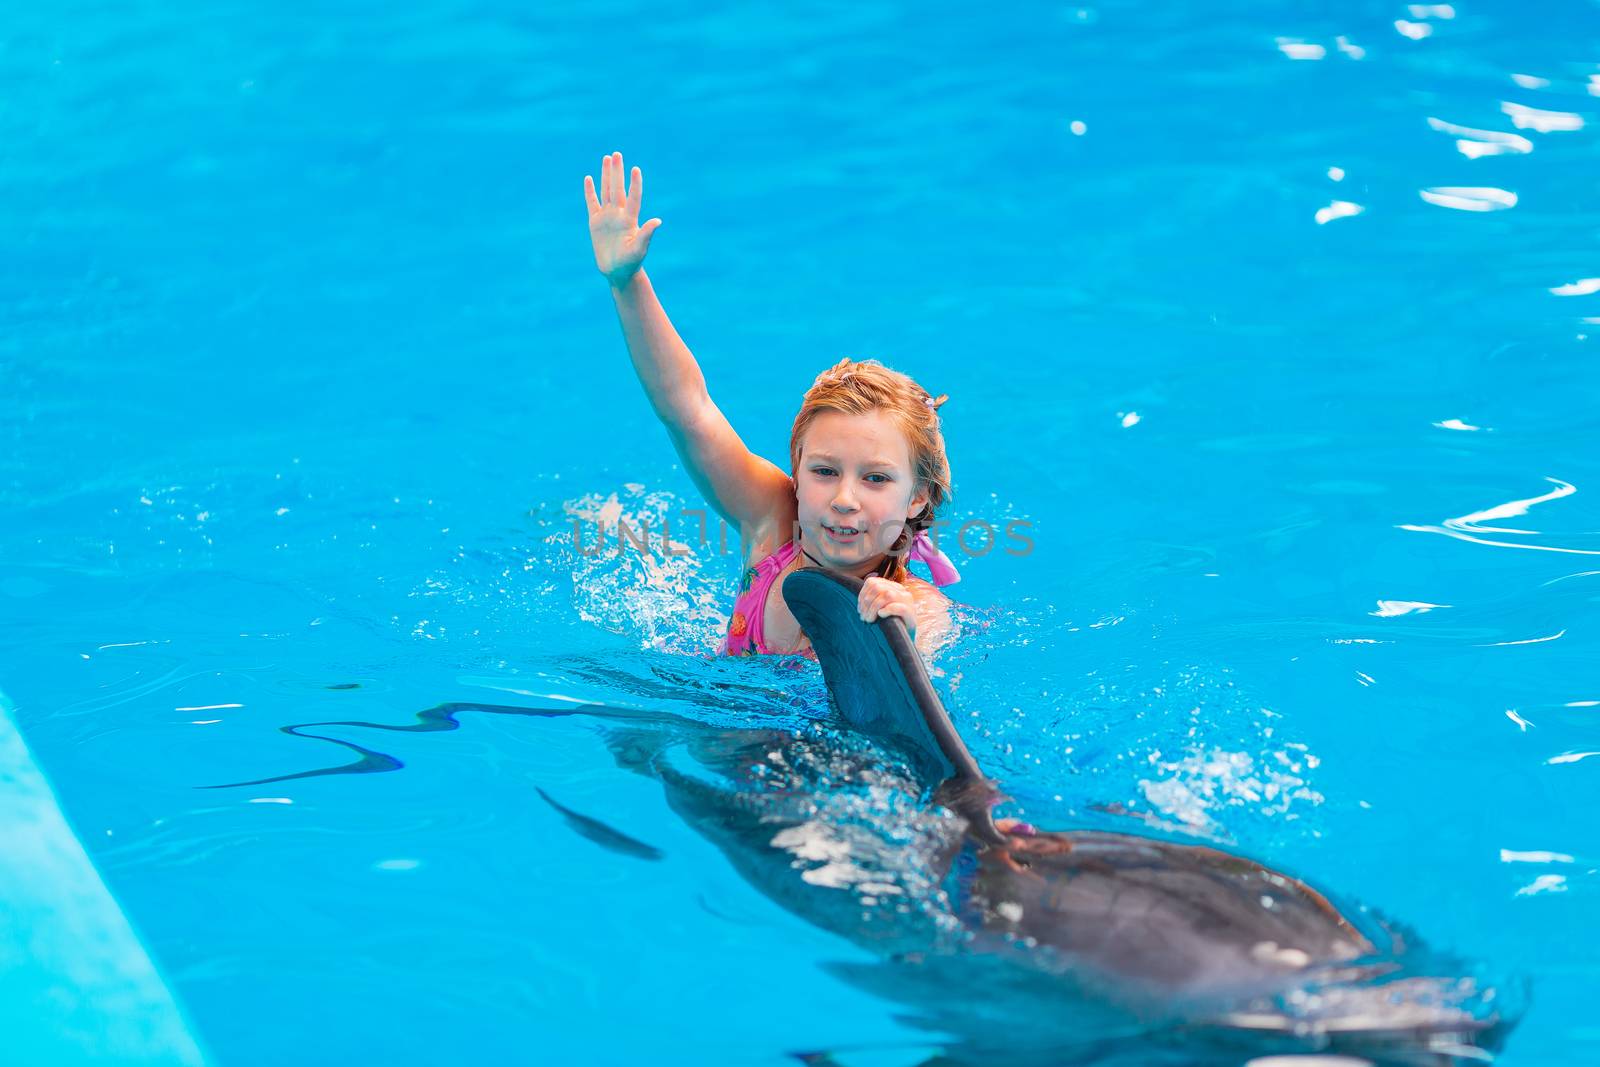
(878,479)
(822,472)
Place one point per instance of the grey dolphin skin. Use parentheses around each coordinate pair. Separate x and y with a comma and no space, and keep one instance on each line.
(1247,948)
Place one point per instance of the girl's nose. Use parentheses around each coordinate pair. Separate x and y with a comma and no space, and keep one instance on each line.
(844,502)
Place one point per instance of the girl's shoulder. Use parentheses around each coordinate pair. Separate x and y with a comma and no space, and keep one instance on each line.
(923,589)
(936,625)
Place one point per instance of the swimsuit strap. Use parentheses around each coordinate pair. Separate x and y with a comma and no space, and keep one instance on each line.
(944,572)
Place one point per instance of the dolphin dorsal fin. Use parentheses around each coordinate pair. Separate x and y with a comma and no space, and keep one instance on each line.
(880,685)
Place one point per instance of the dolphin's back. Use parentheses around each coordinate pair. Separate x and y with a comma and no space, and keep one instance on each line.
(1184,918)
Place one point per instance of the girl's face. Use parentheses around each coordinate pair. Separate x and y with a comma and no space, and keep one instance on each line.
(855,489)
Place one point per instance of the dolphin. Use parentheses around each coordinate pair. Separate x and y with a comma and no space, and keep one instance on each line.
(1217,938)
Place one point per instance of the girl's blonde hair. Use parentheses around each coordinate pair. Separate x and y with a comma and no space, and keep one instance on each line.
(856,387)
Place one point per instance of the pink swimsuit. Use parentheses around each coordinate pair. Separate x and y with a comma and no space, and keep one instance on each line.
(746,635)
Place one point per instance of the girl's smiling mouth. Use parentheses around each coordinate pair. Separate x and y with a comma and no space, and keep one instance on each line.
(844,535)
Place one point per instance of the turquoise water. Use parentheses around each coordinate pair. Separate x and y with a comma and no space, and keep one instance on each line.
(305,371)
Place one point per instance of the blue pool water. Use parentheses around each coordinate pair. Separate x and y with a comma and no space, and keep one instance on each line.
(306,371)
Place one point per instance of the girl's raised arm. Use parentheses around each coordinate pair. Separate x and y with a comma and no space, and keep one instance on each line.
(745,489)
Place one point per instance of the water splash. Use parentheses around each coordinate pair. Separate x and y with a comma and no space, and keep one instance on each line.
(638,575)
(624,562)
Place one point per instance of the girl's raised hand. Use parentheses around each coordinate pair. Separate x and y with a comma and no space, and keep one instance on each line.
(620,243)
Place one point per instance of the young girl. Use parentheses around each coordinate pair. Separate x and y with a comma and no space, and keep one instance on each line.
(867,463)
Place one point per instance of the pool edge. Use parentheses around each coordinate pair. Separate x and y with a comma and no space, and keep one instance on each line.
(76,984)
